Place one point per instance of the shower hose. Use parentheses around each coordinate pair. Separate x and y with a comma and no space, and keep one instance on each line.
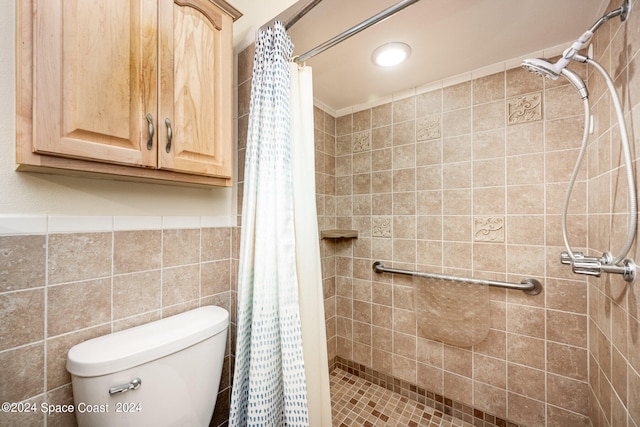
(633,209)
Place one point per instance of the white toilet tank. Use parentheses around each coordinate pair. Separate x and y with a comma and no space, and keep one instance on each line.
(171,369)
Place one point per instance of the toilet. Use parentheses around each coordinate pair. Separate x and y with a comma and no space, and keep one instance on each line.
(165,373)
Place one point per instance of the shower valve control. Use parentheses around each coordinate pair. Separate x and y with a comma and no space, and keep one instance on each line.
(581,264)
(595,266)
(566,259)
(587,265)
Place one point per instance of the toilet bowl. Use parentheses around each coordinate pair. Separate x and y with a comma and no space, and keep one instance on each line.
(165,373)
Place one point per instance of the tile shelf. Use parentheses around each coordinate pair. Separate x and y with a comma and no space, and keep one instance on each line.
(339,234)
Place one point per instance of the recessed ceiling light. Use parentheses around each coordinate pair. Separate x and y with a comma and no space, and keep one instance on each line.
(391,54)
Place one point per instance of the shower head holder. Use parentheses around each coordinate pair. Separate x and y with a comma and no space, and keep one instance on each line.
(624,12)
(546,69)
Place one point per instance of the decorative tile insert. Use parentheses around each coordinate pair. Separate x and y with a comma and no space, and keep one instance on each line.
(361,141)
(489,229)
(360,394)
(428,128)
(524,109)
(381,226)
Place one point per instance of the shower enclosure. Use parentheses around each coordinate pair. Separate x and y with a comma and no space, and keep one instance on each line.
(469,180)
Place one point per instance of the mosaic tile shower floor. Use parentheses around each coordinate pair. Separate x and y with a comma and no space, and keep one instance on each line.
(357,402)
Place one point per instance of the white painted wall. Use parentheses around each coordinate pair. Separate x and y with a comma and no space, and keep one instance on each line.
(255,13)
(30,193)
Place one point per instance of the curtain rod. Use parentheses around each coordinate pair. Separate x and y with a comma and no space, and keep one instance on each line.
(355,30)
(306,9)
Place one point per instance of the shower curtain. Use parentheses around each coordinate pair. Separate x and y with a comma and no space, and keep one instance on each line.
(269,385)
(314,336)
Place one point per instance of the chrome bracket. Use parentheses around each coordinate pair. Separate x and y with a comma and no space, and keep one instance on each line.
(624,10)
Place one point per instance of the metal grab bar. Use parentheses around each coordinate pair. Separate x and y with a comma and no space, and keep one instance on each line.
(528,286)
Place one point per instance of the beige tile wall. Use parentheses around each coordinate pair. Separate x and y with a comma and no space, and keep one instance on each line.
(57,290)
(420,178)
(325,142)
(614,319)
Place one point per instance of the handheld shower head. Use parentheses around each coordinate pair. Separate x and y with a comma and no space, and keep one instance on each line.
(577,82)
(546,69)
(541,67)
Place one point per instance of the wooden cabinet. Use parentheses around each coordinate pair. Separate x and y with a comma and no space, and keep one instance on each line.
(133,88)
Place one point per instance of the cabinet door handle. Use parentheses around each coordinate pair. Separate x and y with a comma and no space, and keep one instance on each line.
(151,131)
(169,135)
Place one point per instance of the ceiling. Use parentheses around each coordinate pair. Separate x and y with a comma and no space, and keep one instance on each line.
(448,39)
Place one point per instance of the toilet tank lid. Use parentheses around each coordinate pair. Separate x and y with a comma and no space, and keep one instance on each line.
(132,347)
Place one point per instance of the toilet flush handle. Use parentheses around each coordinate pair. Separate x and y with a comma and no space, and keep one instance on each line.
(133,385)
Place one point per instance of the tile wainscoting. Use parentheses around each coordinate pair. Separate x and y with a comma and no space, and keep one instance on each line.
(64,280)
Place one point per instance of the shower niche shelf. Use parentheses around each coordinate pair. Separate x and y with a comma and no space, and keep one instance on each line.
(339,234)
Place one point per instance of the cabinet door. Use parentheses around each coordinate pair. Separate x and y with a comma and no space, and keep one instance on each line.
(195,88)
(95,79)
